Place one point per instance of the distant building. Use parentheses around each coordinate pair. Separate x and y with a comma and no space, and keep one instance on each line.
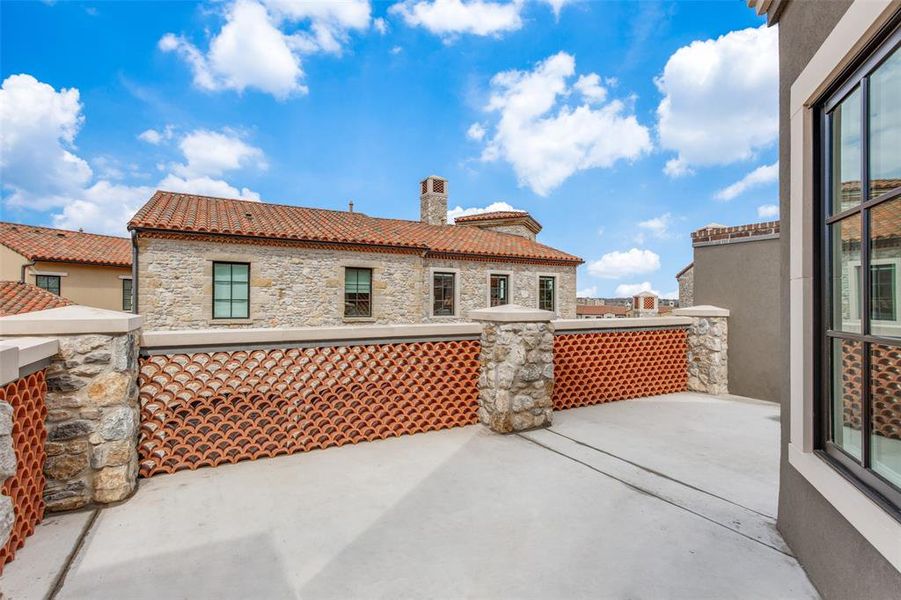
(214,262)
(85,268)
(686,280)
(601,311)
(738,268)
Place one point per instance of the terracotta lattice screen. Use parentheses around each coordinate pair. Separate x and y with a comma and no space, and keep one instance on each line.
(26,488)
(590,368)
(206,409)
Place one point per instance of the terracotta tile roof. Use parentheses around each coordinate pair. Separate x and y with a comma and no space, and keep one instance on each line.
(489,216)
(44,243)
(601,309)
(169,211)
(17,298)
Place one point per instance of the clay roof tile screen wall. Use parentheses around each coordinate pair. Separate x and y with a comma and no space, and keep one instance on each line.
(172,212)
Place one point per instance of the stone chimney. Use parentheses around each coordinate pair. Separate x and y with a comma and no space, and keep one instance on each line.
(433,200)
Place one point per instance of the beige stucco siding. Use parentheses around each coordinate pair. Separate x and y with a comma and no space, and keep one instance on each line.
(297,287)
(88,285)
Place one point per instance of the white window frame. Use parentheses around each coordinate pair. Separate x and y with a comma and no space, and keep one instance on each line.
(856,28)
(456,272)
(854,291)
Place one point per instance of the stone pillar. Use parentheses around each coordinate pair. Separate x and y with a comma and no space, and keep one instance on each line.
(7,470)
(708,346)
(92,403)
(517,368)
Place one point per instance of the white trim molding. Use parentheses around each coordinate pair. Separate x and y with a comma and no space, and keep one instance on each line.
(431,284)
(853,32)
(35,273)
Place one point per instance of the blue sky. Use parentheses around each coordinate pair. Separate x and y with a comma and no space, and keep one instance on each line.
(621,127)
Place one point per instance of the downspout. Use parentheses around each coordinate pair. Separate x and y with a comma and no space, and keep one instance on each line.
(134,271)
(25,266)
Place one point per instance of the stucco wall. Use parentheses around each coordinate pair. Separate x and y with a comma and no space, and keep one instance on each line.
(294,287)
(88,285)
(839,561)
(744,277)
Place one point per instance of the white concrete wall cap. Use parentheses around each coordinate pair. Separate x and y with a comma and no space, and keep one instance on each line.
(511,313)
(265,335)
(69,320)
(20,353)
(704,310)
(627,323)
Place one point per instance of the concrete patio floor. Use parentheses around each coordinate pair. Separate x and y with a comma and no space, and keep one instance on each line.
(666,497)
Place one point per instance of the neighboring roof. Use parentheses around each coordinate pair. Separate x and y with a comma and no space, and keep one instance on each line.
(17,298)
(185,213)
(501,217)
(771,8)
(60,245)
(685,270)
(601,309)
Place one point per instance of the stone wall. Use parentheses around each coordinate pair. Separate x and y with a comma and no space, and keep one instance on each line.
(516,378)
(298,287)
(92,420)
(7,470)
(708,345)
(687,287)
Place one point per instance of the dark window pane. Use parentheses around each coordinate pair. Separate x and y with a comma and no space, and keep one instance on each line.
(846,153)
(885,126)
(885,269)
(885,399)
(499,293)
(546,293)
(844,278)
(50,283)
(443,294)
(846,394)
(126,295)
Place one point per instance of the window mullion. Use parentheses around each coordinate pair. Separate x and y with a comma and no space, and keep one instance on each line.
(865,275)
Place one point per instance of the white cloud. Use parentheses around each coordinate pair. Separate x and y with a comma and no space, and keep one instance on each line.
(590,87)
(253,51)
(589,292)
(720,101)
(556,5)
(768,211)
(459,211)
(40,170)
(630,289)
(450,18)
(205,186)
(546,140)
(213,153)
(39,126)
(760,176)
(476,132)
(614,265)
(396,50)
(381,25)
(152,136)
(658,226)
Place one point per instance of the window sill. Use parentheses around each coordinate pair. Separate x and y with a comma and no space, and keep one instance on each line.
(359,319)
(875,524)
(444,316)
(229,321)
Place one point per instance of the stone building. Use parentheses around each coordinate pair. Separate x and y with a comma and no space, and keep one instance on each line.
(211,262)
(85,268)
(686,280)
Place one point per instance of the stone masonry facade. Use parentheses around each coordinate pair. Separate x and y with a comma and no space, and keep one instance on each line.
(92,420)
(707,355)
(7,470)
(516,380)
(299,287)
(686,281)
